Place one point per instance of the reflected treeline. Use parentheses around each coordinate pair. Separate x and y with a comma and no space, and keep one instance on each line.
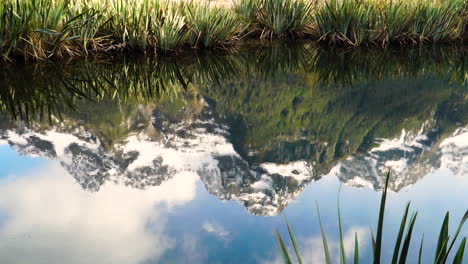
(290,115)
(41,90)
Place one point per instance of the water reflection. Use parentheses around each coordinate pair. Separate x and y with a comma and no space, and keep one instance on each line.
(148,139)
(115,225)
(256,125)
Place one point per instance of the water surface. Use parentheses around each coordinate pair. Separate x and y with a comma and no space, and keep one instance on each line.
(195,159)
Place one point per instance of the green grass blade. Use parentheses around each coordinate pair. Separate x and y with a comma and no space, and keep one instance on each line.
(440,255)
(443,240)
(462,222)
(324,237)
(283,249)
(396,250)
(293,240)
(420,250)
(342,250)
(356,249)
(460,252)
(378,241)
(406,244)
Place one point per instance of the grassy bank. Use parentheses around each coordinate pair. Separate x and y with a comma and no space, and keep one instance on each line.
(44,29)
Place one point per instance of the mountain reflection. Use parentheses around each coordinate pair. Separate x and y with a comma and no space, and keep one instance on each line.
(256,125)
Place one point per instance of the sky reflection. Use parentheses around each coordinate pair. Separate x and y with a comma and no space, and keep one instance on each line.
(51,219)
(48,218)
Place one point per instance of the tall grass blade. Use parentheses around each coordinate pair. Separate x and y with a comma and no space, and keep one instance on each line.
(420,250)
(440,255)
(443,240)
(396,250)
(324,237)
(460,253)
(356,249)
(283,249)
(406,244)
(462,222)
(378,241)
(342,250)
(293,240)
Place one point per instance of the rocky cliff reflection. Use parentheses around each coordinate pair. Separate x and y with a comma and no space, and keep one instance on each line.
(257,125)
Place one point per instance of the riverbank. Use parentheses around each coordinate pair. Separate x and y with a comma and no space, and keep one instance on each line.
(48,29)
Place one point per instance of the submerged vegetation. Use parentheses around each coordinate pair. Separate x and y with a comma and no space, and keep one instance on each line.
(445,243)
(43,29)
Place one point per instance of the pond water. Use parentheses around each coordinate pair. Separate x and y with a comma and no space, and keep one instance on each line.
(195,159)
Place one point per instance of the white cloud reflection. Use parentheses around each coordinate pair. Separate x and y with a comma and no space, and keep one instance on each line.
(217,230)
(50,219)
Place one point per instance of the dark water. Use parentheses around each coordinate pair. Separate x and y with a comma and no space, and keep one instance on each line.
(195,159)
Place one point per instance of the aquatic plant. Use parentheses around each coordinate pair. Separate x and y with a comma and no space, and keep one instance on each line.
(445,243)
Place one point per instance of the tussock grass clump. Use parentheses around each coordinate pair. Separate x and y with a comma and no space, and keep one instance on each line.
(276,18)
(347,22)
(37,28)
(169,27)
(42,29)
(131,22)
(383,22)
(282,17)
(210,25)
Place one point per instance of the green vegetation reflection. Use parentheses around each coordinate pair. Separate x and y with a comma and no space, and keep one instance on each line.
(281,104)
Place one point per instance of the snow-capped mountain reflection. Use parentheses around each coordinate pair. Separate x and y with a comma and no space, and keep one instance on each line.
(201,145)
(410,157)
(140,161)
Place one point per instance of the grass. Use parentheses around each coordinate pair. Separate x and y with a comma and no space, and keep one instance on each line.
(354,23)
(445,242)
(45,29)
(209,26)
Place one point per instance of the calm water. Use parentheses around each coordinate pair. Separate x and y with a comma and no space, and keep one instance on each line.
(197,159)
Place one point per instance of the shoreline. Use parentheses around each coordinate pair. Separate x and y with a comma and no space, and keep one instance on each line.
(51,30)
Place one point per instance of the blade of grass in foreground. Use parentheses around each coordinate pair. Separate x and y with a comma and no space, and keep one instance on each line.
(406,244)
(342,250)
(356,249)
(420,250)
(378,242)
(443,240)
(283,249)
(324,237)
(396,251)
(293,240)
(462,222)
(460,252)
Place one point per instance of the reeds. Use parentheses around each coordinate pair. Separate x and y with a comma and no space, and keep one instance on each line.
(209,26)
(445,243)
(44,29)
(384,22)
(279,18)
